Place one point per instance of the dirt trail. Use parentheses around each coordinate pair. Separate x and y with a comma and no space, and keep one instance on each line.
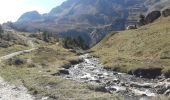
(6,57)
(12,92)
(29,42)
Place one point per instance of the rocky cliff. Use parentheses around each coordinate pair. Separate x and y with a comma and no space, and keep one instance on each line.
(90,19)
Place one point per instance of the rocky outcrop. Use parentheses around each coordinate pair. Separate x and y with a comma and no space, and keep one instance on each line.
(131,27)
(150,73)
(29,16)
(63,71)
(152,16)
(166,12)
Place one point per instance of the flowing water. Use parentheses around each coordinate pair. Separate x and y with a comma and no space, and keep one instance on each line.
(91,71)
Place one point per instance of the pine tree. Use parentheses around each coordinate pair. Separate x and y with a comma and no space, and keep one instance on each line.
(46,36)
(141,20)
(1,31)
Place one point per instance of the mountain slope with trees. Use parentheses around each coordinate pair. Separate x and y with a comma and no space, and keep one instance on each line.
(89,19)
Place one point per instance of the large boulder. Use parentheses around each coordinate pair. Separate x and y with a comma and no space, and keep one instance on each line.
(166,12)
(131,27)
(141,20)
(149,73)
(152,16)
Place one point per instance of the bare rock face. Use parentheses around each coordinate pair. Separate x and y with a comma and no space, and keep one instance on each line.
(166,12)
(89,19)
(152,16)
(149,18)
(29,16)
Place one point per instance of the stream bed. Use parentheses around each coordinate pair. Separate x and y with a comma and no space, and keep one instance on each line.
(129,86)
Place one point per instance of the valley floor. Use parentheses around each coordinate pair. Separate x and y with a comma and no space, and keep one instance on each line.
(32,72)
(144,52)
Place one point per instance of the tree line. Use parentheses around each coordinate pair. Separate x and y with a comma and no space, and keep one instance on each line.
(66,42)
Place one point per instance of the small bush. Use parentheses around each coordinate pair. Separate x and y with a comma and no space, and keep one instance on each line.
(16,61)
(31,65)
(165,55)
(5,44)
(97,88)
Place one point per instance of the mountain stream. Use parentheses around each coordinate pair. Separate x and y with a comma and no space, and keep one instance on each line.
(91,71)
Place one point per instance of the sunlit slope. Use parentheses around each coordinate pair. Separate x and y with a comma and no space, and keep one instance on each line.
(38,69)
(146,47)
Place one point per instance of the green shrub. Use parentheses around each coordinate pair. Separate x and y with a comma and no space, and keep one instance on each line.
(1,31)
(16,61)
(74,43)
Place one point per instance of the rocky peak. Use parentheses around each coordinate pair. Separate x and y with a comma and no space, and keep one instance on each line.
(29,16)
(83,17)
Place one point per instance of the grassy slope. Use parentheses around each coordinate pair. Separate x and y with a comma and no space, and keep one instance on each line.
(36,72)
(140,48)
(18,43)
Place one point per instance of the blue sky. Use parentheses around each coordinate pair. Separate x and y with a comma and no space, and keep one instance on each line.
(11,10)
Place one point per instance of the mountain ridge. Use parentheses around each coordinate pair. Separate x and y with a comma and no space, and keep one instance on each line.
(86,17)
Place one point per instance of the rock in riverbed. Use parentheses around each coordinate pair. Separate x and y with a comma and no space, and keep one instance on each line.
(92,72)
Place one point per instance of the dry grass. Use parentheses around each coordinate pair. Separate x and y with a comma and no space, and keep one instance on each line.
(42,83)
(36,76)
(140,48)
(11,49)
(35,72)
